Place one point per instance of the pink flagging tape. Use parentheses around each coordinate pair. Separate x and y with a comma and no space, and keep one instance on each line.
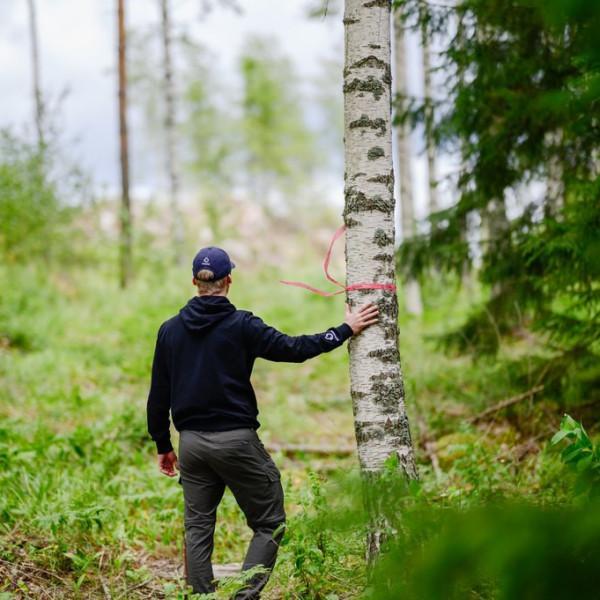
(355,286)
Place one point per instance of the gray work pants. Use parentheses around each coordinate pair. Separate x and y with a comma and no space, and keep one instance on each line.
(209,461)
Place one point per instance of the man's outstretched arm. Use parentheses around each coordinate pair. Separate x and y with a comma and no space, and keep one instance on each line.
(271,344)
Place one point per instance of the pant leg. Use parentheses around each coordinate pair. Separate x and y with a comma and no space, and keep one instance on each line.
(249,471)
(202,492)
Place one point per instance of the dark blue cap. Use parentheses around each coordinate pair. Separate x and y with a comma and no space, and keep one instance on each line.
(214,259)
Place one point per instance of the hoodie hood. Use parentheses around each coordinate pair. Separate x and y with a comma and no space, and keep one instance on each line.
(202,312)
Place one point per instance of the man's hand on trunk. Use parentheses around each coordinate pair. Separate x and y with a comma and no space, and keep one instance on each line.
(167,463)
(366,315)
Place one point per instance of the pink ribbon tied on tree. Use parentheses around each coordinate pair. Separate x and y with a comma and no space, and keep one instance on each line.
(344,288)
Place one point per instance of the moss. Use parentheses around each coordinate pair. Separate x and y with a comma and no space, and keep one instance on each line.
(371,84)
(375,152)
(364,121)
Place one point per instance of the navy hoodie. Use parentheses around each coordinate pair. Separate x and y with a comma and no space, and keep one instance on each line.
(202,364)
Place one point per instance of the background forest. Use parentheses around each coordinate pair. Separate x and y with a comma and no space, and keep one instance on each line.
(496,114)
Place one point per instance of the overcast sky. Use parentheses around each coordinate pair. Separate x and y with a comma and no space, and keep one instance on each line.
(78,53)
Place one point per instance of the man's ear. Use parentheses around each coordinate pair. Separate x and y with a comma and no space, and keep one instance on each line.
(194,281)
(229,279)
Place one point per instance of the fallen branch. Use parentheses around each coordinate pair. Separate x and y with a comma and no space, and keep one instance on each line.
(293,449)
(506,403)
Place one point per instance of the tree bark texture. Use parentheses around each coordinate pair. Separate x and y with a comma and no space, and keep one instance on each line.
(125,212)
(412,290)
(35,69)
(177,236)
(381,423)
(433,204)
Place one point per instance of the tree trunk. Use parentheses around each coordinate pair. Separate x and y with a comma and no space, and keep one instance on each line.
(432,199)
(169,98)
(125,212)
(381,424)
(412,290)
(555,188)
(35,68)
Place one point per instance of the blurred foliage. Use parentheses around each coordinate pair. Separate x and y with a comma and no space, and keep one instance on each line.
(580,454)
(32,215)
(523,82)
(278,147)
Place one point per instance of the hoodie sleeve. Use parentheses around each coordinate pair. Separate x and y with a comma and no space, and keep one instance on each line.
(269,343)
(159,398)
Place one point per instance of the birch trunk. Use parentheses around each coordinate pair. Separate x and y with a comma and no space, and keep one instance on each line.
(432,199)
(412,290)
(35,69)
(381,423)
(125,212)
(169,99)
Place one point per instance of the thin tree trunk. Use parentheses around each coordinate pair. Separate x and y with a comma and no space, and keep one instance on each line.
(377,390)
(432,198)
(35,69)
(412,290)
(169,97)
(125,212)
(555,189)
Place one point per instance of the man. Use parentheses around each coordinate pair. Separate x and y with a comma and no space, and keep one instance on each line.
(201,371)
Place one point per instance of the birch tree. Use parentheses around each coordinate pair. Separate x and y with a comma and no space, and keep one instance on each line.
(381,424)
(170,147)
(35,70)
(432,197)
(125,211)
(412,289)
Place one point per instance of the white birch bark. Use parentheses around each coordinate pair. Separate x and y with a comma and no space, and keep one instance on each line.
(412,290)
(169,99)
(35,70)
(381,423)
(432,198)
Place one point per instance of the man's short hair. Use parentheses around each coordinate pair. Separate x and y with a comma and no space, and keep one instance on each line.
(206,284)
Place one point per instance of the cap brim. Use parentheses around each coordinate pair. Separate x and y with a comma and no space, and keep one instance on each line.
(232,264)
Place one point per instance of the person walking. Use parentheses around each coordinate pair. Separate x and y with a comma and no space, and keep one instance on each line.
(201,369)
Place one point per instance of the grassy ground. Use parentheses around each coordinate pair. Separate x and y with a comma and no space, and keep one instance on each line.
(84,511)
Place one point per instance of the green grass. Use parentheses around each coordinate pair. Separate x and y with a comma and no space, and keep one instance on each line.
(83,504)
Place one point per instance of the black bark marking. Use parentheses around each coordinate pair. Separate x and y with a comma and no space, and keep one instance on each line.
(369,61)
(357,175)
(378,3)
(381,238)
(350,222)
(349,21)
(364,121)
(371,84)
(357,201)
(387,179)
(375,46)
(385,257)
(375,152)
(386,355)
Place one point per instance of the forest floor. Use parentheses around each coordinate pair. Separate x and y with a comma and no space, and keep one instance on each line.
(85,512)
